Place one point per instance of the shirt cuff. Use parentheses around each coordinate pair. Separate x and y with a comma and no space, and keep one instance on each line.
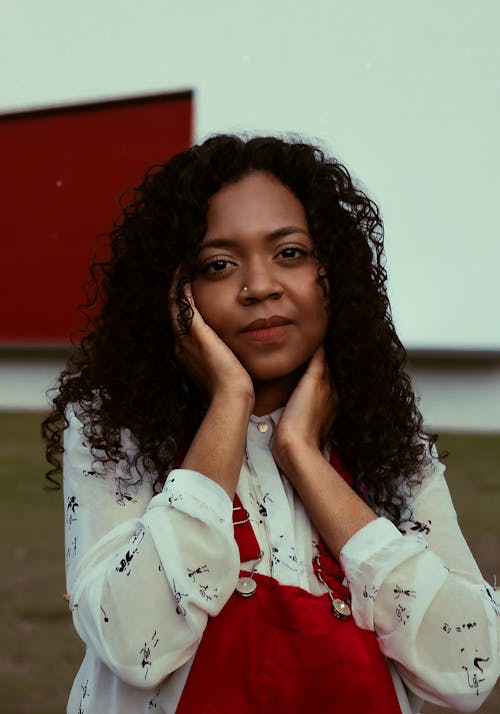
(370,539)
(367,559)
(195,494)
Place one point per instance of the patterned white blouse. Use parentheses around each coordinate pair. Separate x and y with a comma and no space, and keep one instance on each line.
(145,571)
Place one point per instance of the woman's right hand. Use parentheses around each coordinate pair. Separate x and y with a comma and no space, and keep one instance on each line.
(218,446)
(207,360)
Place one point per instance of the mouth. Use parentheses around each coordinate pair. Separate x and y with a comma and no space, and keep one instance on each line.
(267,329)
(267,323)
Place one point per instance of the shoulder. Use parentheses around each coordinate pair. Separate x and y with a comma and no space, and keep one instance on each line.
(82,457)
(412,490)
(431,473)
(427,499)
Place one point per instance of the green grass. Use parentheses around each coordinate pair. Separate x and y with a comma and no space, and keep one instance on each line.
(473,474)
(40,652)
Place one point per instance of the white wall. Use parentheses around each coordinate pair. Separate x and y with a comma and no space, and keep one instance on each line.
(459,397)
(406,93)
(453,397)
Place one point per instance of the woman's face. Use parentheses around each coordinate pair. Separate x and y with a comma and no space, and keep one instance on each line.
(257,277)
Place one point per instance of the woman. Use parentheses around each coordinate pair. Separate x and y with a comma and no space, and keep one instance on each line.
(255,519)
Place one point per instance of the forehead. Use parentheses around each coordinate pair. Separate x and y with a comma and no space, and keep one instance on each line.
(258,201)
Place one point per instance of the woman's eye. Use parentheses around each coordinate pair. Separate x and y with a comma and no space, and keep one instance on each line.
(292,252)
(216,266)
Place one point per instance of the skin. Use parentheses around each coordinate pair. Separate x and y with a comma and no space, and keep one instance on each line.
(257,237)
(256,261)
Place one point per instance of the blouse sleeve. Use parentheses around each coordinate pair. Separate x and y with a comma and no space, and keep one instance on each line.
(144,572)
(421,591)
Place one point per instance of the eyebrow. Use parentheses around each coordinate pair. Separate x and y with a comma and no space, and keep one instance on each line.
(274,235)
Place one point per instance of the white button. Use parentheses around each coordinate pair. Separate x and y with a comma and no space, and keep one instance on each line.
(262,427)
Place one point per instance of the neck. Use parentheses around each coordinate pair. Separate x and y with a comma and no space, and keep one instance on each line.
(274,393)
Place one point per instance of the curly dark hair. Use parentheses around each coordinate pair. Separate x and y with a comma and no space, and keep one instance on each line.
(124,373)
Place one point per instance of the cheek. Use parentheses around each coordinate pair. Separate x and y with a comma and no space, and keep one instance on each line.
(210,303)
(315,298)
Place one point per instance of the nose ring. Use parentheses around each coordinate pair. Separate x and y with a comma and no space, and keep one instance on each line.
(245,289)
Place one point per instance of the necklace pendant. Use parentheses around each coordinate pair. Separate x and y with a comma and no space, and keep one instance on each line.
(246,587)
(341,609)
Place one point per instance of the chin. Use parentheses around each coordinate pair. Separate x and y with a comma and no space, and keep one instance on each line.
(272,373)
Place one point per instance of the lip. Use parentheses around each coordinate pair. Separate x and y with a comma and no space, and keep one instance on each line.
(267,323)
(271,329)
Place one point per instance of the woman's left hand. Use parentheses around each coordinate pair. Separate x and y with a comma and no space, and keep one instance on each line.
(309,413)
(332,505)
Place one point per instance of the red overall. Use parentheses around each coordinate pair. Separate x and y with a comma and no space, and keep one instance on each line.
(282,650)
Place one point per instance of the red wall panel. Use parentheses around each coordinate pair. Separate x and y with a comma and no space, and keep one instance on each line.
(63,170)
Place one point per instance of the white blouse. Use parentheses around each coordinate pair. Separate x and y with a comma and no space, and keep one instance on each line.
(145,571)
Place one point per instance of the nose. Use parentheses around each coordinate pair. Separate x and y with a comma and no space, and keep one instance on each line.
(260,282)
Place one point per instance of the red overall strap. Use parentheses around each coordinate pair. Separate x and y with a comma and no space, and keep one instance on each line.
(249,547)
(247,542)
(326,567)
(243,532)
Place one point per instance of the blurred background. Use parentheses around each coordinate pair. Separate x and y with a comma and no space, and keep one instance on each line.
(406,94)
